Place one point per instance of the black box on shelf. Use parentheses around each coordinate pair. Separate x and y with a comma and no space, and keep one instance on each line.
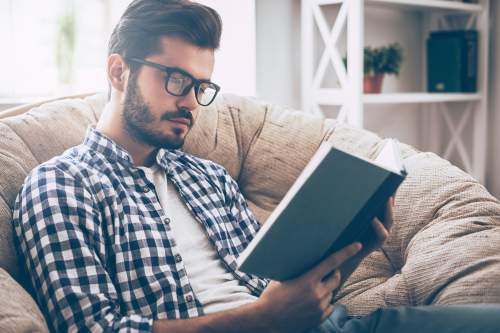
(452,58)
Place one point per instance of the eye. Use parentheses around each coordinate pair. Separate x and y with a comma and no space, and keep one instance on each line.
(176,81)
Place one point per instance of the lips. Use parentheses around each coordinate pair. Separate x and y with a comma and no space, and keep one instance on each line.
(183,121)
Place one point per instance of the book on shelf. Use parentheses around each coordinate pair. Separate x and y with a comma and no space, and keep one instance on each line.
(330,205)
(452,58)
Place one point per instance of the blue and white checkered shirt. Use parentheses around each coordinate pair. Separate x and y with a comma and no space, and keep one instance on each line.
(98,245)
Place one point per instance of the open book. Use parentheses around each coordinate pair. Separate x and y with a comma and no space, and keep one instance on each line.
(330,205)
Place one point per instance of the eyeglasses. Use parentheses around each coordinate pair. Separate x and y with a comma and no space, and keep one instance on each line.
(179,83)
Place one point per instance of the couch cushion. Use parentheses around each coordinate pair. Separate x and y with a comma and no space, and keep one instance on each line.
(27,140)
(223,133)
(18,311)
(276,155)
(444,246)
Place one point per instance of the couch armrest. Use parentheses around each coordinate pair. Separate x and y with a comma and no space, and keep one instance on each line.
(444,246)
(450,238)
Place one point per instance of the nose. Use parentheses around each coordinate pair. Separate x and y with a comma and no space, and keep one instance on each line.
(188,101)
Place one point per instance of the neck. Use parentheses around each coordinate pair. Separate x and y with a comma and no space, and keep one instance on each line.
(111,124)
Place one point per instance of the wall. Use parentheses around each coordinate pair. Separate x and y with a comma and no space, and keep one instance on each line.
(278,51)
(6,106)
(493,166)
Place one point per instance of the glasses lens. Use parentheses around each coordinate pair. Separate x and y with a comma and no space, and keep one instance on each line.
(178,83)
(206,93)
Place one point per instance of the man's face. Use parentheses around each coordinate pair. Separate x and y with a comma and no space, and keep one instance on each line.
(153,116)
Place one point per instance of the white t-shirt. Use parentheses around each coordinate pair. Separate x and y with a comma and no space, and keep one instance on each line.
(216,288)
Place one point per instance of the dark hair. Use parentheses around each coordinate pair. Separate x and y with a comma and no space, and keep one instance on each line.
(142,24)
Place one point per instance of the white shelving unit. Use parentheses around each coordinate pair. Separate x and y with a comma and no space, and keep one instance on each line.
(435,106)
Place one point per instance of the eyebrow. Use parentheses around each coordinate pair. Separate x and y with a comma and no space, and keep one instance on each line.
(183,71)
(164,68)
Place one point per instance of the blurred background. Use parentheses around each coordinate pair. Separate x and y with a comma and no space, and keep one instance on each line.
(272,49)
(58,47)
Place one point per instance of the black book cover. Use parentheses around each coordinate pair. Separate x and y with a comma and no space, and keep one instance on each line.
(452,59)
(330,205)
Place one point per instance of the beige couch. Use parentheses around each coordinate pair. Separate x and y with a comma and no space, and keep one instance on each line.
(445,244)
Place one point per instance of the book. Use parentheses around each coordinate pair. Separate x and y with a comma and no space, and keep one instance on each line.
(330,205)
(452,61)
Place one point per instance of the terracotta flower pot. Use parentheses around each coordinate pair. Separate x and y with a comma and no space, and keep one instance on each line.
(372,84)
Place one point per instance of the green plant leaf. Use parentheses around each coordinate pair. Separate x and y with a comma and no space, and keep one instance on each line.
(382,60)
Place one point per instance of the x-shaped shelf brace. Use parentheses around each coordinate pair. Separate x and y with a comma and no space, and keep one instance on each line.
(445,23)
(331,53)
(456,141)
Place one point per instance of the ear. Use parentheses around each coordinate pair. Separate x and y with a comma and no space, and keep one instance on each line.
(117,70)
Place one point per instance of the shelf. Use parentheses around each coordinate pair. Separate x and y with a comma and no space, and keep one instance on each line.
(352,103)
(335,97)
(418,4)
(402,98)
(430,5)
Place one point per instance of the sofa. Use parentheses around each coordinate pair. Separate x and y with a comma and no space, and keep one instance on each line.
(444,247)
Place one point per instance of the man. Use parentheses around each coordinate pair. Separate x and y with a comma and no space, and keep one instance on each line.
(126,233)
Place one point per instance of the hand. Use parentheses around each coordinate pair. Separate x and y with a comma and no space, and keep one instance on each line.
(304,302)
(381,229)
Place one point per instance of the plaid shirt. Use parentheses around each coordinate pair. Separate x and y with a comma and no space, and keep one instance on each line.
(98,245)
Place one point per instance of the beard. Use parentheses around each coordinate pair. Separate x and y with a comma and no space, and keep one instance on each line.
(140,122)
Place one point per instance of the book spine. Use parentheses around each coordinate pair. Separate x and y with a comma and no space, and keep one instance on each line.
(470,50)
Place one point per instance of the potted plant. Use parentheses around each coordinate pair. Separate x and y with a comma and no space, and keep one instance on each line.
(378,62)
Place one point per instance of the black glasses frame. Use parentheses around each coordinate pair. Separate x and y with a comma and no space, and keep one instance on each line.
(170,70)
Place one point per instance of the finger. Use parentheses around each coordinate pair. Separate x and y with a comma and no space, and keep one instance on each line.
(380,231)
(332,282)
(335,260)
(389,214)
(326,301)
(327,313)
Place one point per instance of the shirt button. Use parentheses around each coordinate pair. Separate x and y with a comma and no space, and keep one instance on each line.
(189,298)
(178,258)
(146,189)
(167,220)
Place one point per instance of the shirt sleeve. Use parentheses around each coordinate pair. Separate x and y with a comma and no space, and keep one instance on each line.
(239,209)
(247,223)
(58,233)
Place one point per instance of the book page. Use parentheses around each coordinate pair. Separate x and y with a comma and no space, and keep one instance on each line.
(390,156)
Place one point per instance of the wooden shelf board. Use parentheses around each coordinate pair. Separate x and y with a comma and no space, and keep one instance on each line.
(430,5)
(401,98)
(336,97)
(418,4)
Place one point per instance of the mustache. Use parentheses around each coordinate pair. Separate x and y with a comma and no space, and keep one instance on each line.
(180,113)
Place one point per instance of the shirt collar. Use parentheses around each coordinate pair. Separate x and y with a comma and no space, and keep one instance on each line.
(167,158)
(99,142)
